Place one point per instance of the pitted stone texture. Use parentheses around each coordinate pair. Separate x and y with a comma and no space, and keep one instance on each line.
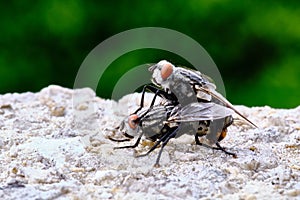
(53,144)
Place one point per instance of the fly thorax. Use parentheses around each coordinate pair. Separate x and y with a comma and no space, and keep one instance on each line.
(151,128)
(153,122)
(182,89)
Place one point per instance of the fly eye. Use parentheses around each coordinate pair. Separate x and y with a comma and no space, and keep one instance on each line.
(166,71)
(132,121)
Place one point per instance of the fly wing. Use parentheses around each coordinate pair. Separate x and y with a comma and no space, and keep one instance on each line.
(226,103)
(206,90)
(199,112)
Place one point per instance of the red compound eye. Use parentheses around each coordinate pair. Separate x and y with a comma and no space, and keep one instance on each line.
(166,71)
(132,121)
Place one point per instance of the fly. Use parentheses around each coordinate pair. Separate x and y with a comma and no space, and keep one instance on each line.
(167,76)
(162,122)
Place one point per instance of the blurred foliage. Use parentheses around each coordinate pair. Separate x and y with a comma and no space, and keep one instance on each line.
(255,44)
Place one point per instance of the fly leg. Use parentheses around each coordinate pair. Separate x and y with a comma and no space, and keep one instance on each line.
(219,147)
(129,137)
(142,100)
(153,147)
(156,91)
(165,139)
(204,145)
(131,146)
(117,140)
(225,151)
(149,87)
(152,104)
(162,147)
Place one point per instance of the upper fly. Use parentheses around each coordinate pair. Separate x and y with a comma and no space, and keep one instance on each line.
(167,76)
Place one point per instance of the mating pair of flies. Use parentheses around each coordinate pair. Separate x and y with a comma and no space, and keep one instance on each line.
(188,104)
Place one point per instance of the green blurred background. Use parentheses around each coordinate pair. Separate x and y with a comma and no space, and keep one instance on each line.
(256,45)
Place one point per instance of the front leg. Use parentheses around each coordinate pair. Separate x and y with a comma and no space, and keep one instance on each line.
(149,87)
(131,146)
(158,92)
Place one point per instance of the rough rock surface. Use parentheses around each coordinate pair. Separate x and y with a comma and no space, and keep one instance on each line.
(53,145)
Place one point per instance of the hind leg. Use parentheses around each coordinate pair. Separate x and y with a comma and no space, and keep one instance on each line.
(219,147)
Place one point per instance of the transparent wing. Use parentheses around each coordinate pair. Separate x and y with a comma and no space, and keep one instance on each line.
(199,112)
(224,101)
(206,89)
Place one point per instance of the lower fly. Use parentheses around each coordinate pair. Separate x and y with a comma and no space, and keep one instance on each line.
(162,122)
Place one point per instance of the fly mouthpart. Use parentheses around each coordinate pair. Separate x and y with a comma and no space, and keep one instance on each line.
(154,81)
(152,68)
